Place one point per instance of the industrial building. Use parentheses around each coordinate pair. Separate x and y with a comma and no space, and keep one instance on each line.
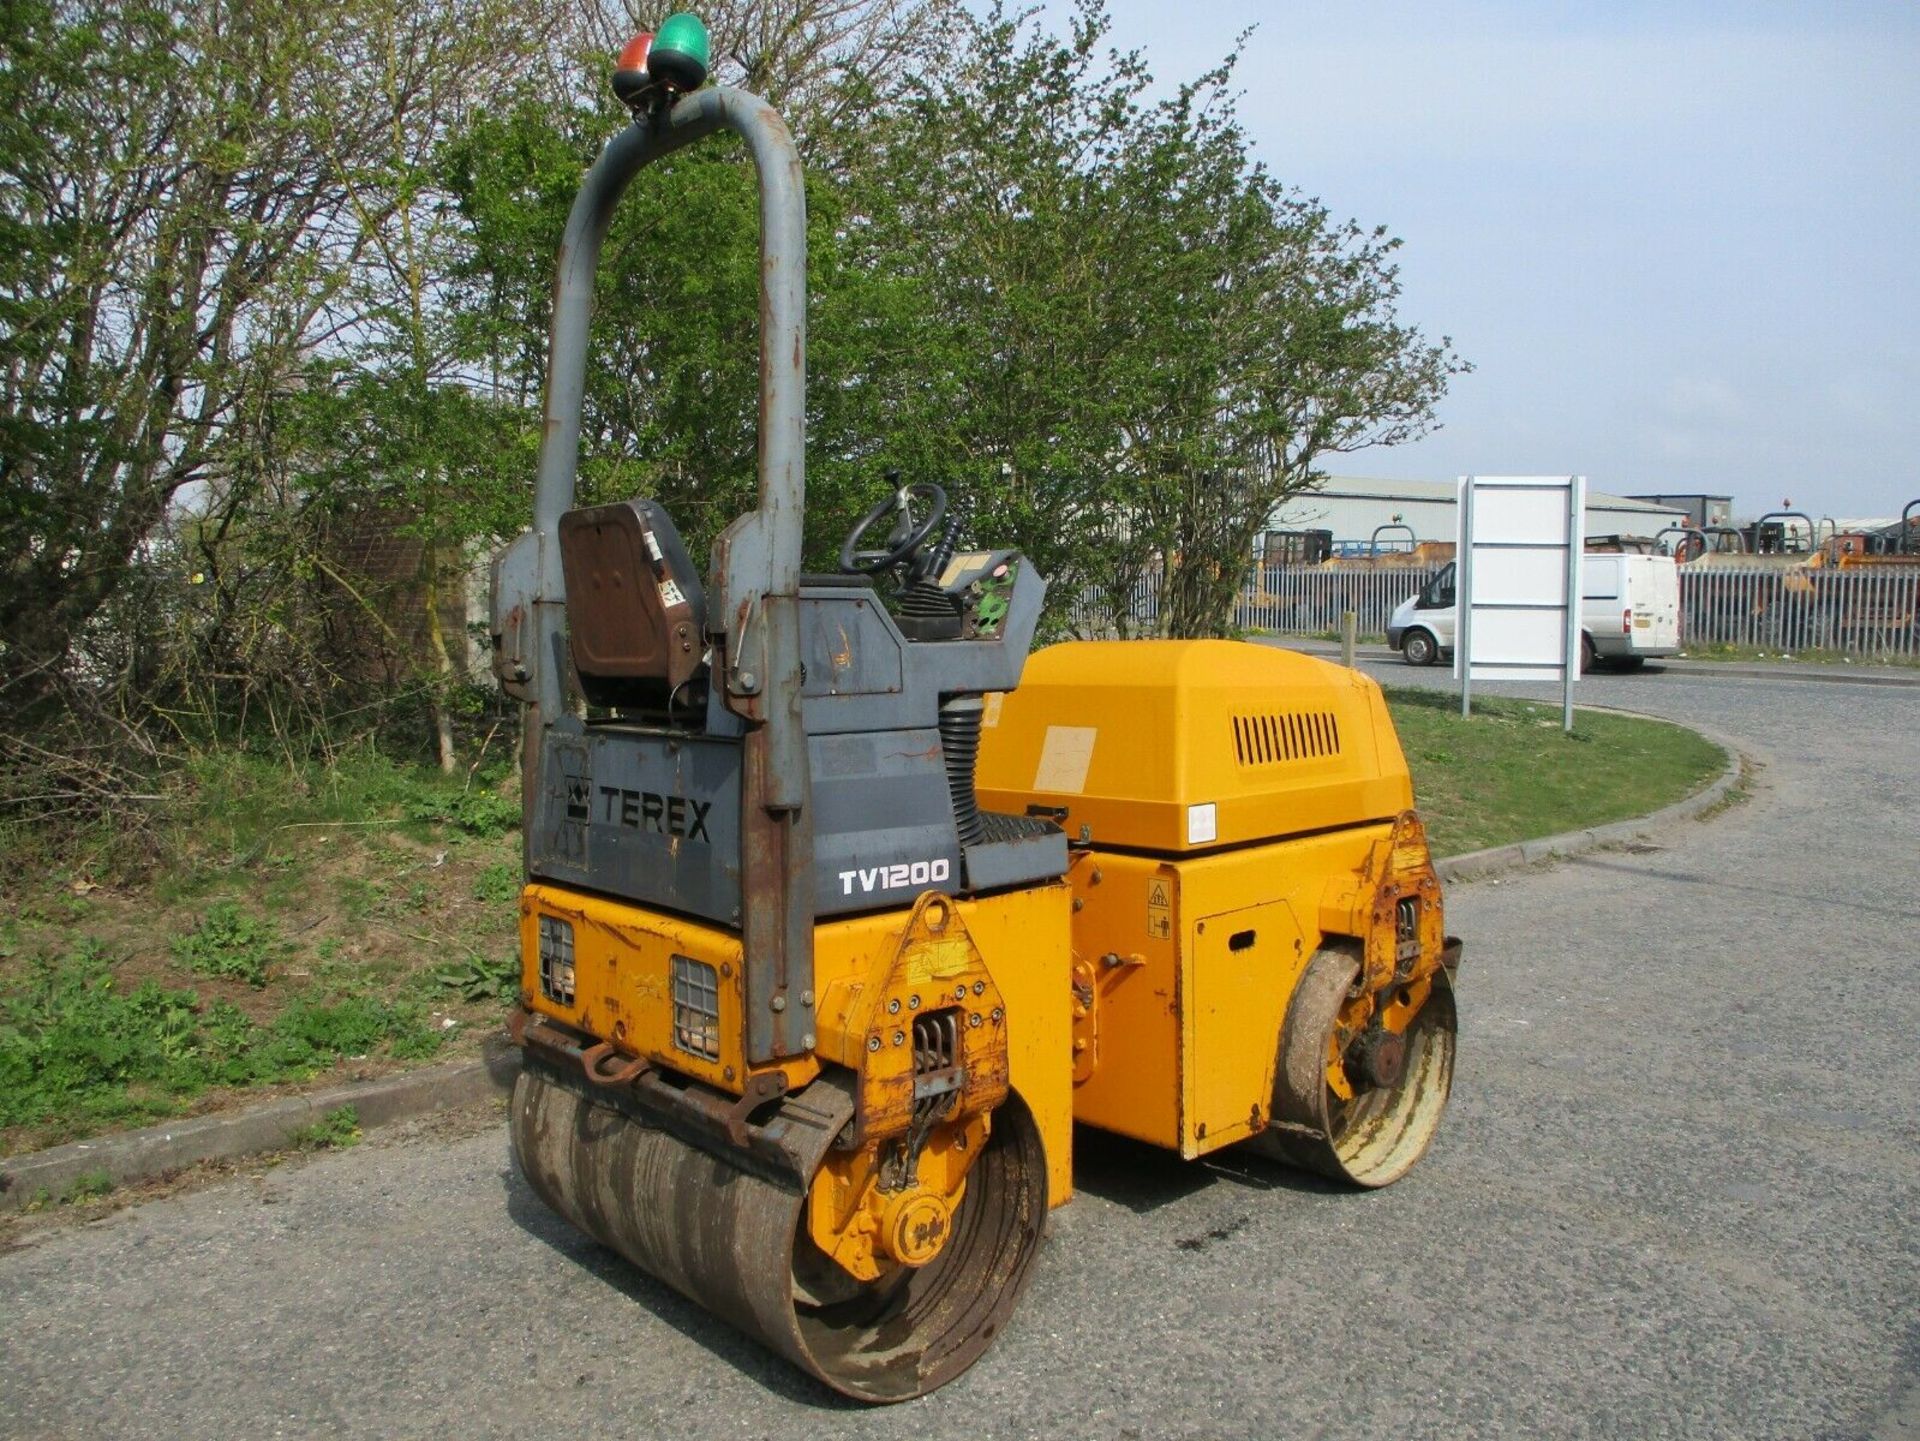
(1353,508)
(1701,510)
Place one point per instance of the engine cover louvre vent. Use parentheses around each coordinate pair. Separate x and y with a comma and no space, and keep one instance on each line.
(1264,739)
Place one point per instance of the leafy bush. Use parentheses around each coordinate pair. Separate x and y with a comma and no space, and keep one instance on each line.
(87,1186)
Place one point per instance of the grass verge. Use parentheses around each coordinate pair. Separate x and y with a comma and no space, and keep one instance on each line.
(285,928)
(1509,773)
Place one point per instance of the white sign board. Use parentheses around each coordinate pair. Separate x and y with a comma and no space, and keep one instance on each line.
(1519,546)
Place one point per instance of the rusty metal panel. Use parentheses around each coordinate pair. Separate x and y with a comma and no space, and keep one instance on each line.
(852,647)
(636,608)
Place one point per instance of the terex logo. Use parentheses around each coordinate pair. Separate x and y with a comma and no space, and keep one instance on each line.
(649,811)
(892,878)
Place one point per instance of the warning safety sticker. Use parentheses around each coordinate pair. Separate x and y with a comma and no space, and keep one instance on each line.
(1159,908)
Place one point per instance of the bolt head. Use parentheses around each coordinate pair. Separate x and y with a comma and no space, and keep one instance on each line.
(779,1003)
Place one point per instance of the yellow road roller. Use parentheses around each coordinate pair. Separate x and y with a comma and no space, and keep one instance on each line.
(841,910)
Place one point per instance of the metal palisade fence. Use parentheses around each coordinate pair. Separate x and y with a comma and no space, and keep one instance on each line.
(1286,600)
(1309,600)
(1870,611)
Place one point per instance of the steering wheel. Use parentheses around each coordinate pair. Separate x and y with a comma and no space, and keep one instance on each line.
(907,535)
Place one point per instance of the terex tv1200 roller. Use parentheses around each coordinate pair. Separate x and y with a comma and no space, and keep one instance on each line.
(841,910)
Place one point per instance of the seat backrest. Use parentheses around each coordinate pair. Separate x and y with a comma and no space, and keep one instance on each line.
(636,611)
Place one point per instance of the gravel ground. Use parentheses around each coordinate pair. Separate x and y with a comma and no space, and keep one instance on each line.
(1675,1196)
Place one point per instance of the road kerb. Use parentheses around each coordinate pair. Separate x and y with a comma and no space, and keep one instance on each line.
(159,1151)
(1476,865)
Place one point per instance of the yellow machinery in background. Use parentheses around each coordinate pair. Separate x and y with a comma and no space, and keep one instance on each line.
(841,910)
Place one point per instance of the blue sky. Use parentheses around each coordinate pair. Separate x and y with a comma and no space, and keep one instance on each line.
(1678,241)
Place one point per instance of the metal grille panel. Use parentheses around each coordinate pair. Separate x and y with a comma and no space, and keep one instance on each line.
(556,960)
(696,1008)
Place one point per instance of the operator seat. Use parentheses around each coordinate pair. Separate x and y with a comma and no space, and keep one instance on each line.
(636,610)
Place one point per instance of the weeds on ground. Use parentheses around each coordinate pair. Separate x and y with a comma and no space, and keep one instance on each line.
(77,1051)
(231,944)
(87,1186)
(267,921)
(336,1130)
(497,884)
(481,812)
(479,979)
(1836,655)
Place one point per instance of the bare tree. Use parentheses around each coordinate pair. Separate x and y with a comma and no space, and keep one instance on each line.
(190,195)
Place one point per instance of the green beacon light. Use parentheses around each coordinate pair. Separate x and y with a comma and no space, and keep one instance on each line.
(678,58)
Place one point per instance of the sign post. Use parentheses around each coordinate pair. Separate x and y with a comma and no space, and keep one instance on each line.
(1518,566)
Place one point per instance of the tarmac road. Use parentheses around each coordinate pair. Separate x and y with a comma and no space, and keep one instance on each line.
(1675,1195)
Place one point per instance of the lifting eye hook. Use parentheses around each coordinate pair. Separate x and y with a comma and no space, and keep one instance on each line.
(593,1062)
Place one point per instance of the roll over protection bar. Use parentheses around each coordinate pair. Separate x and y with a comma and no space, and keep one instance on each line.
(753,590)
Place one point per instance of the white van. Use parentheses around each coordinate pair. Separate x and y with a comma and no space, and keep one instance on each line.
(1629,611)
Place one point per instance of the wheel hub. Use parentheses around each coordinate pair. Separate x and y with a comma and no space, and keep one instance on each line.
(914,1226)
(1378,1058)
